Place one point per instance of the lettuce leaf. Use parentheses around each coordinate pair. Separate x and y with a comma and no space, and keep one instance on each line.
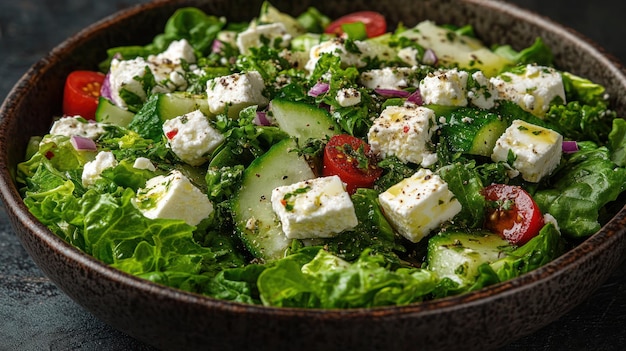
(330,282)
(584,185)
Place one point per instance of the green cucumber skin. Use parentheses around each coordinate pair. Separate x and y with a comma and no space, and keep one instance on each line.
(457,255)
(255,221)
(107,112)
(475,136)
(177,104)
(303,121)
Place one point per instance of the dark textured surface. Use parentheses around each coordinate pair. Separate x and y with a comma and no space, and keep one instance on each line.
(35,315)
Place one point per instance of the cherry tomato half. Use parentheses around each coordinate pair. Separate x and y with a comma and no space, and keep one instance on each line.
(350,158)
(512,213)
(375,23)
(81,93)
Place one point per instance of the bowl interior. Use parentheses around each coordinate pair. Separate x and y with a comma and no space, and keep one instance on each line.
(532,300)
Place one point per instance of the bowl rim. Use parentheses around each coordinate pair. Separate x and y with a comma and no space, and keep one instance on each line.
(590,248)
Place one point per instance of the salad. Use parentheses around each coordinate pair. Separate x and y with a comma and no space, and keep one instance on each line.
(299,161)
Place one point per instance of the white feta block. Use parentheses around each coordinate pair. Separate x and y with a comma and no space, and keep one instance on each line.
(127,75)
(177,52)
(173,197)
(144,163)
(396,78)
(418,204)
(405,132)
(274,35)
(236,92)
(482,93)
(409,55)
(93,169)
(536,150)
(445,87)
(337,47)
(76,125)
(191,137)
(348,97)
(533,88)
(316,208)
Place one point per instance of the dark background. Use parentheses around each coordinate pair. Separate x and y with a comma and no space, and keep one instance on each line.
(35,315)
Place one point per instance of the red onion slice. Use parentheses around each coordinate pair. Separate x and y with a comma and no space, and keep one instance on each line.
(391,93)
(318,89)
(430,58)
(569,146)
(83,144)
(415,98)
(105,90)
(217,46)
(261,119)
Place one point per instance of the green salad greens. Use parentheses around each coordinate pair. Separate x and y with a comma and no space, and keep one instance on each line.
(303,161)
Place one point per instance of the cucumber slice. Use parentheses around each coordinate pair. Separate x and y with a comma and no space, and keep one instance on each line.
(303,121)
(457,255)
(108,112)
(255,221)
(176,104)
(270,14)
(472,131)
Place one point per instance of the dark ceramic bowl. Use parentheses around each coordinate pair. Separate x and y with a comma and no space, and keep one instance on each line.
(173,319)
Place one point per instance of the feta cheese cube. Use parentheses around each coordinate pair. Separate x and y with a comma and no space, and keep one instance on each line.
(404,132)
(144,163)
(177,52)
(445,87)
(191,137)
(173,197)
(236,92)
(533,89)
(418,204)
(389,78)
(481,92)
(337,47)
(316,208)
(93,169)
(536,150)
(409,56)
(76,125)
(165,67)
(127,75)
(348,97)
(274,35)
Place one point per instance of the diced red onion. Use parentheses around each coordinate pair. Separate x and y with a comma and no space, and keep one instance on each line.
(105,90)
(430,58)
(415,98)
(83,144)
(569,146)
(217,46)
(261,119)
(392,93)
(318,89)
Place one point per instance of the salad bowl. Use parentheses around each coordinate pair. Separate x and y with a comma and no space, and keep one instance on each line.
(173,319)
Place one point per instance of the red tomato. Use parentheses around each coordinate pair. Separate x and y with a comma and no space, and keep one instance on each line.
(374,22)
(513,214)
(350,158)
(81,93)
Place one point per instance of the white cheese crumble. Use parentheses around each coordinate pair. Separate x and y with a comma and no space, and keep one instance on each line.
(536,151)
(93,169)
(316,208)
(236,92)
(533,89)
(445,87)
(173,197)
(419,204)
(191,137)
(404,132)
(76,125)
